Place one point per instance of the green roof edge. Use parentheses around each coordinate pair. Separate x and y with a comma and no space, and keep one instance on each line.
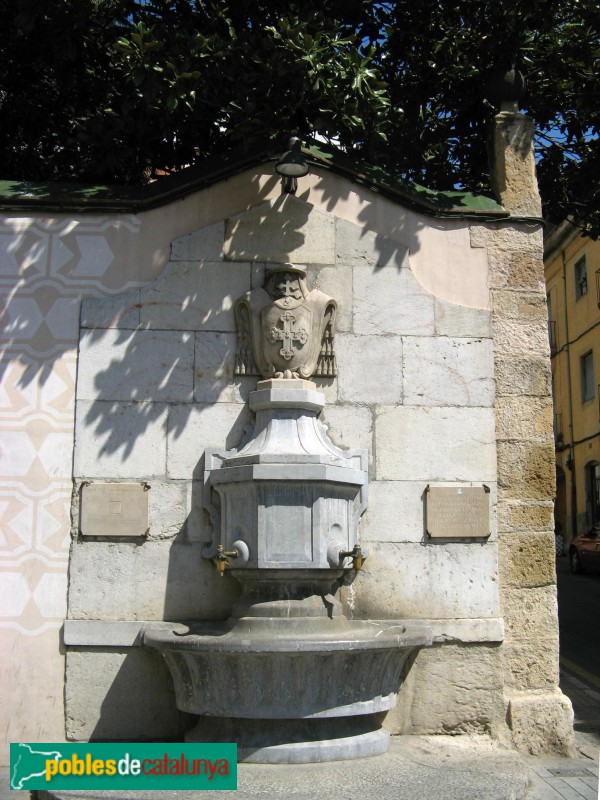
(430,201)
(51,196)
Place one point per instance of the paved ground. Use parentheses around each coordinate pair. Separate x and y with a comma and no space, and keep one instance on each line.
(416,767)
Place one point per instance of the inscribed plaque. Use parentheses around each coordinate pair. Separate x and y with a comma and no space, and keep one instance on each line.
(114,509)
(458,512)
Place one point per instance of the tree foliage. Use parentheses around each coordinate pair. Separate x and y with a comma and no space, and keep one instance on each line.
(122,91)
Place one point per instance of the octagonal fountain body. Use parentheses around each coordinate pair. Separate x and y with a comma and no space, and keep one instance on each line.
(288,676)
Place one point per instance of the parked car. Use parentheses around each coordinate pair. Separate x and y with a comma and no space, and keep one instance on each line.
(584,552)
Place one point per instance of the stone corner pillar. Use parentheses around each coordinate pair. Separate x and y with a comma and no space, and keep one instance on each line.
(539,717)
(513,163)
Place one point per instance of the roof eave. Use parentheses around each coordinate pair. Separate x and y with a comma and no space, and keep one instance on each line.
(72,197)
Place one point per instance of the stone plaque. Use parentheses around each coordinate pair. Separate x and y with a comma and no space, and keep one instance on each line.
(114,509)
(458,512)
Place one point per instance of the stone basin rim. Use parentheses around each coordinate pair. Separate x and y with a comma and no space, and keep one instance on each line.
(361,636)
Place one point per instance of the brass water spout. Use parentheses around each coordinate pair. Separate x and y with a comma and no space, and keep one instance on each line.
(357,556)
(221,558)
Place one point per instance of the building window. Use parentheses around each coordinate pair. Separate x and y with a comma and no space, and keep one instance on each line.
(580,278)
(587,377)
(592,493)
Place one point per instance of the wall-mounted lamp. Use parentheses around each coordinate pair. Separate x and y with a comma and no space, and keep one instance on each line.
(291,166)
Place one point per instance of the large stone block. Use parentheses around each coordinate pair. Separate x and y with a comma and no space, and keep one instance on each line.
(523,376)
(507,238)
(286,229)
(122,695)
(395,512)
(513,164)
(136,366)
(523,515)
(526,470)
(161,580)
(524,418)
(527,559)
(203,245)
(328,387)
(116,440)
(169,506)
(356,246)
(520,305)
(453,689)
(435,444)
(530,614)
(122,311)
(349,427)
(455,320)
(542,723)
(526,271)
(214,381)
(523,339)
(337,283)
(194,428)
(428,580)
(194,296)
(369,369)
(531,665)
(391,301)
(448,371)
(502,243)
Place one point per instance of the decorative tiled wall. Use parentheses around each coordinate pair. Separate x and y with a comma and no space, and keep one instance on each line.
(46,266)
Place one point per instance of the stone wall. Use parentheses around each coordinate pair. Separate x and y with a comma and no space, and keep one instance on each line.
(443,377)
(415,387)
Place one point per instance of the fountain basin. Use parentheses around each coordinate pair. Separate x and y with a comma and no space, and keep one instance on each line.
(290,690)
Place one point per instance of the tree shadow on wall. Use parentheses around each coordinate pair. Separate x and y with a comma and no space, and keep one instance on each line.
(149,359)
(392,235)
(49,265)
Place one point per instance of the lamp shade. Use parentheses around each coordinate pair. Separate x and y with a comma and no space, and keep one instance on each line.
(292,163)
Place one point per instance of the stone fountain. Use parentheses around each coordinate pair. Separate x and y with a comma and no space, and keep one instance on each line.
(288,676)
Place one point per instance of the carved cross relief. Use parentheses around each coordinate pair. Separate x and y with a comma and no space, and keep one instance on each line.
(288,335)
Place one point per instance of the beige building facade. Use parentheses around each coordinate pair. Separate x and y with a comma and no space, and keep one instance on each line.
(572,269)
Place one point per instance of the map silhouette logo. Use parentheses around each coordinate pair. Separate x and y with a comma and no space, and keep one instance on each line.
(29,763)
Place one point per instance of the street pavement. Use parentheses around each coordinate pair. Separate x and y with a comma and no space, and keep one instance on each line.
(415,768)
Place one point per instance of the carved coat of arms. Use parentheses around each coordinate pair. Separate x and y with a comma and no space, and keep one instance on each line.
(285,330)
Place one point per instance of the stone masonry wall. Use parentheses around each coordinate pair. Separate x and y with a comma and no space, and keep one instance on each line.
(539,716)
(155,387)
(525,483)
